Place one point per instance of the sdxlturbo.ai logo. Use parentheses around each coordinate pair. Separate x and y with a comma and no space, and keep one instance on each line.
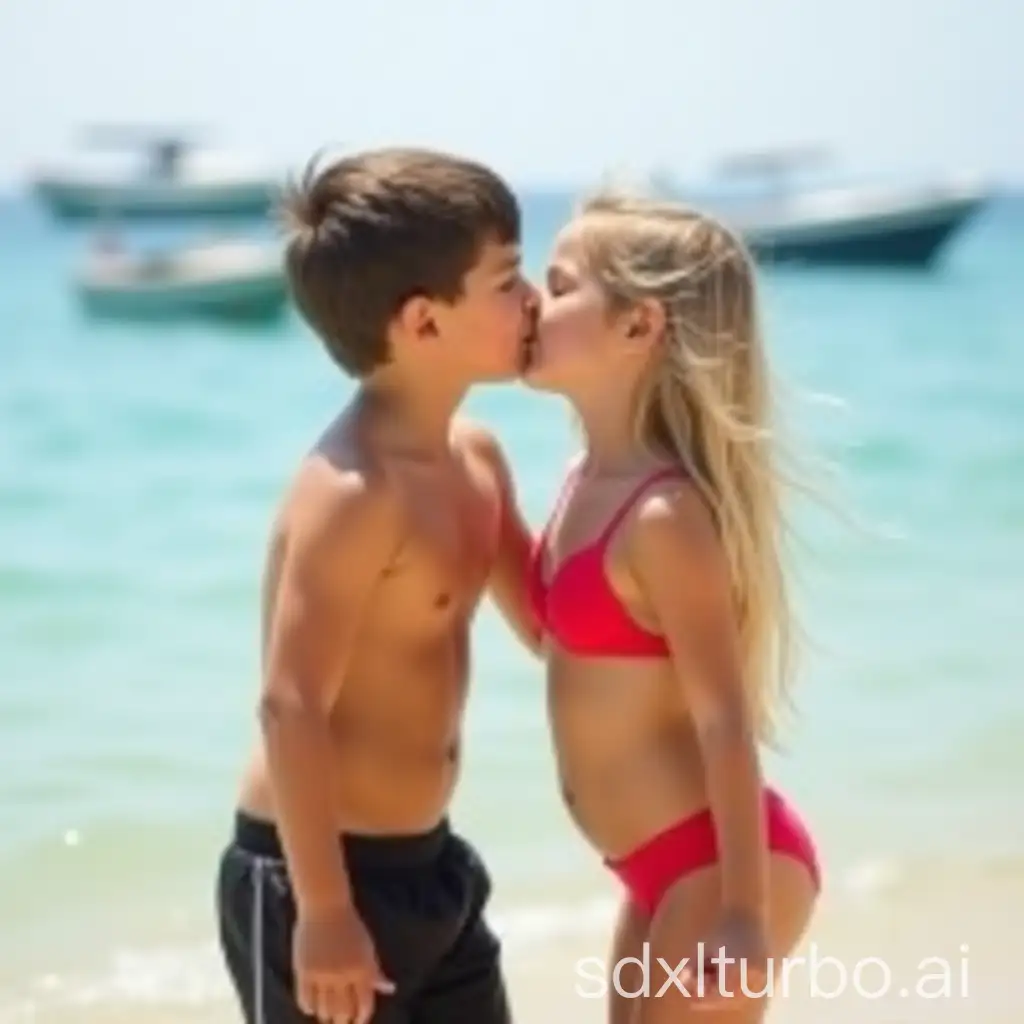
(825,977)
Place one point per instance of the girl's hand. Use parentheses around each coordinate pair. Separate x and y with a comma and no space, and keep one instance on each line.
(732,964)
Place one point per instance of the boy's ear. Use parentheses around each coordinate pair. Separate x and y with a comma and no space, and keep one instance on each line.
(416,318)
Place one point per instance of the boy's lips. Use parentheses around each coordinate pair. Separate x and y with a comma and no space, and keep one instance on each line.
(527,350)
(528,345)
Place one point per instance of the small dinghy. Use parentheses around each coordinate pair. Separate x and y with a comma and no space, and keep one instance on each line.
(174,179)
(228,279)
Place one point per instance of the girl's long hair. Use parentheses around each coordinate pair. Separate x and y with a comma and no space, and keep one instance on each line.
(706,401)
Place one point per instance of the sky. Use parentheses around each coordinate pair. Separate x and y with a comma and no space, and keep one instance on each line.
(550,92)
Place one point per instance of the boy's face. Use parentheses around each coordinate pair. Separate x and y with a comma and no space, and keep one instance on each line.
(484,333)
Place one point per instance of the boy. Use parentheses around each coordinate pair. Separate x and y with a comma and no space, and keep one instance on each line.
(344,895)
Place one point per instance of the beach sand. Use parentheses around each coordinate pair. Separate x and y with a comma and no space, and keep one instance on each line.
(948,958)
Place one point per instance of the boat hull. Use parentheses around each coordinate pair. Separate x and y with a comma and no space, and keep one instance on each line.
(251,298)
(914,237)
(74,201)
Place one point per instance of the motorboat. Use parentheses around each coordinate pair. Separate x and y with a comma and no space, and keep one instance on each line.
(229,278)
(860,224)
(169,177)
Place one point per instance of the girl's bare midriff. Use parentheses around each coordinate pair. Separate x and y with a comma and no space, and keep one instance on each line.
(628,757)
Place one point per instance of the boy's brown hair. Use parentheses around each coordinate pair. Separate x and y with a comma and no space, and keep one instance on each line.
(372,230)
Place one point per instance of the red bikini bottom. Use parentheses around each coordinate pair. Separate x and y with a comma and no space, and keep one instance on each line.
(648,871)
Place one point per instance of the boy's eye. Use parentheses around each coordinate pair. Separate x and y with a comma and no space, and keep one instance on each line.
(510,284)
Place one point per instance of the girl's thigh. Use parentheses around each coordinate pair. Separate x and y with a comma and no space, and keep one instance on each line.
(685,918)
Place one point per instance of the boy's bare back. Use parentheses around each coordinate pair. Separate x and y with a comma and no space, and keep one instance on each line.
(376,566)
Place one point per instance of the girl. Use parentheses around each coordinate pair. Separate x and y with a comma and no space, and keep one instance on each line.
(659,586)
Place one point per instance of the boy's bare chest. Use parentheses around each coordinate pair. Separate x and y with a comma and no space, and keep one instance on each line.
(449,545)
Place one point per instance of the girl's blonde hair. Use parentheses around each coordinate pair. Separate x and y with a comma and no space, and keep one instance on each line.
(706,401)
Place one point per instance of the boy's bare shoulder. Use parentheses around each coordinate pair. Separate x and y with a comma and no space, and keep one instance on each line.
(479,441)
(340,496)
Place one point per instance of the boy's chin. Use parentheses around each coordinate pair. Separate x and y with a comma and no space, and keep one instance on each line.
(533,378)
(496,376)
(528,370)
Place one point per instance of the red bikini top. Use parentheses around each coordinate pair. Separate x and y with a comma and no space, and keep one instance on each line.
(578,606)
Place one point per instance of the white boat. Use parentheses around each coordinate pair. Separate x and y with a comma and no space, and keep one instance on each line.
(226,279)
(176,179)
(845,225)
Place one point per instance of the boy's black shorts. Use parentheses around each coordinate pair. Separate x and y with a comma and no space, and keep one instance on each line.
(421,897)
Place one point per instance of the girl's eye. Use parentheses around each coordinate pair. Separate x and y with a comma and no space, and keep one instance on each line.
(558,284)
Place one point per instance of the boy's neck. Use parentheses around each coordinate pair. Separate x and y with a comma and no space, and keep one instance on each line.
(413,418)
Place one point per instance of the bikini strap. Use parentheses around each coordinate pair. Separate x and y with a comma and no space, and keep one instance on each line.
(570,476)
(631,499)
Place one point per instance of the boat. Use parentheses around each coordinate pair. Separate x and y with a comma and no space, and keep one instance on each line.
(854,225)
(177,178)
(859,227)
(224,279)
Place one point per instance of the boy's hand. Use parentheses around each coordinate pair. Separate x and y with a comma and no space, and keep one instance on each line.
(337,974)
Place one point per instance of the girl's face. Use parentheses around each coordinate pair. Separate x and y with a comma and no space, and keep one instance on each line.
(579,342)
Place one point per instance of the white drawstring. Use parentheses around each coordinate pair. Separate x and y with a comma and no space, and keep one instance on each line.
(257,940)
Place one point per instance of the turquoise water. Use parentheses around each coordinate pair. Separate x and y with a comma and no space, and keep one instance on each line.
(138,472)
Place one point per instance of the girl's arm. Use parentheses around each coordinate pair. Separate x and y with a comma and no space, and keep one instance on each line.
(680,564)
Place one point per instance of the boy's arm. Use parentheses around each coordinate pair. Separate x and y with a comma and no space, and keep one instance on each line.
(337,548)
(508,580)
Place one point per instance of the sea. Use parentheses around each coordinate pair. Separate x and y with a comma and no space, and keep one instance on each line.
(140,466)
